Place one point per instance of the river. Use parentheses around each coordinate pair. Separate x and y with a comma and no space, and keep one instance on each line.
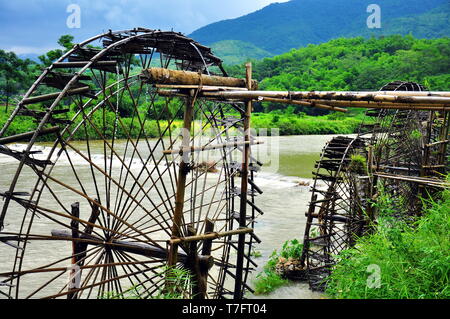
(284,201)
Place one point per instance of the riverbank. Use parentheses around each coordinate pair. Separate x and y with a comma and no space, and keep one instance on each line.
(288,124)
(399,260)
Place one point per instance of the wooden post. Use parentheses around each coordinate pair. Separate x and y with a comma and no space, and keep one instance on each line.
(74,273)
(207,244)
(181,182)
(238,292)
(198,282)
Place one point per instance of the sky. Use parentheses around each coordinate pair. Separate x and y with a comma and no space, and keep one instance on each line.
(34,26)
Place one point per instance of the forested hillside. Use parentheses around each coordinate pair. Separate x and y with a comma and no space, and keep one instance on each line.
(356,64)
(280,27)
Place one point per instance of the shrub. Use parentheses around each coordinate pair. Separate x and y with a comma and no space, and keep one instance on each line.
(413,259)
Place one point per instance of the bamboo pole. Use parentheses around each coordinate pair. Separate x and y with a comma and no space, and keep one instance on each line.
(176,77)
(325,95)
(419,180)
(181,182)
(283,97)
(203,88)
(303,103)
(28,135)
(238,293)
(383,105)
(74,274)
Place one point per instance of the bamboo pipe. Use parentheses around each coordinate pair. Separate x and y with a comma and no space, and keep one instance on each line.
(176,77)
(303,103)
(203,88)
(372,104)
(334,104)
(342,96)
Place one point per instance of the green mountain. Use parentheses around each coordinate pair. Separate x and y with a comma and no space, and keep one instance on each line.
(236,51)
(280,27)
(355,64)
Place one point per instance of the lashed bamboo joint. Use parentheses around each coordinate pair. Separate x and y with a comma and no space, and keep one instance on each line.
(166,76)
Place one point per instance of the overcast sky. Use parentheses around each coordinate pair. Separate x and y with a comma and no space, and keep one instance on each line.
(33,26)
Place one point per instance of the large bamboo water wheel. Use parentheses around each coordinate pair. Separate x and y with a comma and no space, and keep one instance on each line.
(403,154)
(120,202)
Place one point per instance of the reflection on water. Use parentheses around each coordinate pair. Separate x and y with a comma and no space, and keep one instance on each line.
(284,201)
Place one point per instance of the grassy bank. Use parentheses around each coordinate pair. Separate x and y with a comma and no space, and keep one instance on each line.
(269,279)
(301,124)
(412,261)
(287,123)
(125,127)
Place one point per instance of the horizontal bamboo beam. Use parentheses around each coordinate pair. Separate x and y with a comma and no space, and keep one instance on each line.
(342,96)
(384,105)
(176,77)
(141,249)
(203,88)
(213,235)
(80,64)
(209,147)
(53,96)
(414,179)
(303,103)
(27,135)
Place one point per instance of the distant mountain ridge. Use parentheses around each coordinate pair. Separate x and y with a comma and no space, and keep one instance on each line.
(280,27)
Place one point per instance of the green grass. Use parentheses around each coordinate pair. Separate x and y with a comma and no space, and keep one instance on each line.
(287,123)
(269,280)
(127,126)
(413,259)
(300,124)
(179,281)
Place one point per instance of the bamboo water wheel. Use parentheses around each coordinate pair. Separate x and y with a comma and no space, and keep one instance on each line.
(404,154)
(120,202)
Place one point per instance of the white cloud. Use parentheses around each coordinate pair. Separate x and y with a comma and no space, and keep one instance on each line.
(33,26)
(29,50)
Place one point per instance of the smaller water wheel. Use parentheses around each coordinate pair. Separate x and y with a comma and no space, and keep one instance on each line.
(404,152)
(336,213)
(410,152)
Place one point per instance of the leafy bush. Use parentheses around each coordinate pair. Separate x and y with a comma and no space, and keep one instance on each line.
(414,260)
(268,280)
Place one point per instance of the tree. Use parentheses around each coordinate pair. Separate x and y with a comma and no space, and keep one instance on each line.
(64,41)
(14,75)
